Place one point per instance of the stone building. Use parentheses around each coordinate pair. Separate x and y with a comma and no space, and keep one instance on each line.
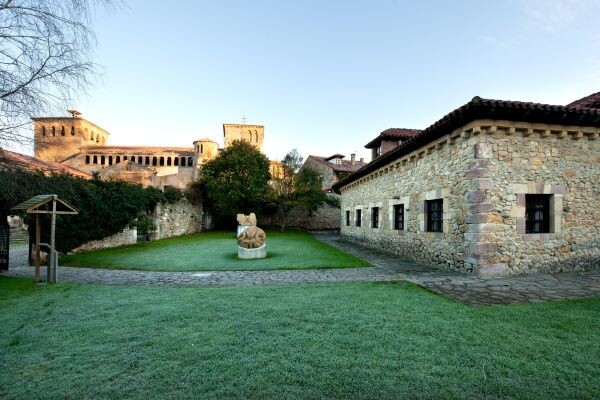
(82,145)
(333,168)
(493,188)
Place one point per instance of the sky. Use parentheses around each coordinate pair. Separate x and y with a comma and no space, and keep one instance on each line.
(327,76)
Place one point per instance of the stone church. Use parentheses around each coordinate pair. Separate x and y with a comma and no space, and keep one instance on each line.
(78,143)
(493,188)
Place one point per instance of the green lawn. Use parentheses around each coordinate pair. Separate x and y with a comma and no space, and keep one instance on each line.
(359,340)
(217,251)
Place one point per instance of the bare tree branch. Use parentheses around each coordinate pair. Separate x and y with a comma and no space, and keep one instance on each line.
(46,48)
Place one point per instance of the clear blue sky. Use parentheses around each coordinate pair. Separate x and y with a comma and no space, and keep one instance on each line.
(327,76)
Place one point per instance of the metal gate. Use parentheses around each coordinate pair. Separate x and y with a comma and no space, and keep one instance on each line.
(4,242)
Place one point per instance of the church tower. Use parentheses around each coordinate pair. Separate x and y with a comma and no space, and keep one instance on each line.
(57,138)
(253,134)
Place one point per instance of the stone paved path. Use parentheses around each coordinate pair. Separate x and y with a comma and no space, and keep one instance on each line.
(463,288)
(477,291)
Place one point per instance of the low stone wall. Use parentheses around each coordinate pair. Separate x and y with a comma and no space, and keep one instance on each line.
(171,219)
(125,237)
(325,218)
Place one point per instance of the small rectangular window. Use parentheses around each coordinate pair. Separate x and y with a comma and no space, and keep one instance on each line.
(375,217)
(434,210)
(347,218)
(358,217)
(537,213)
(399,217)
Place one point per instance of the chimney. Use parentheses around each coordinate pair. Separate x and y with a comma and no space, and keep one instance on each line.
(353,158)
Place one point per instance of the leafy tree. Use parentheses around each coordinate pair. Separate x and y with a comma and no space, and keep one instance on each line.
(297,187)
(283,185)
(236,181)
(45,58)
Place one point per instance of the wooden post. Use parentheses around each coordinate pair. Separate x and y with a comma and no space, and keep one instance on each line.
(37,248)
(51,263)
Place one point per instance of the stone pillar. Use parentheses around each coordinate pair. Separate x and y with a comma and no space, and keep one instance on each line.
(482,223)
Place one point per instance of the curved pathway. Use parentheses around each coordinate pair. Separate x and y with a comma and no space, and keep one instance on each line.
(386,267)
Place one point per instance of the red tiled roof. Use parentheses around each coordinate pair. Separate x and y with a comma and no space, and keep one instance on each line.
(346,165)
(591,101)
(394,134)
(479,108)
(28,162)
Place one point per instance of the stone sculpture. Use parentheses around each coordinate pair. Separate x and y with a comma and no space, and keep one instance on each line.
(252,238)
(246,220)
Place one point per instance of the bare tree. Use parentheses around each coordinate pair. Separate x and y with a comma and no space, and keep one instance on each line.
(45,59)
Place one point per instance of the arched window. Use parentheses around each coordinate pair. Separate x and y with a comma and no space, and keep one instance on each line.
(91,136)
(147,161)
(62,131)
(102,160)
(43,131)
(154,161)
(140,160)
(201,148)
(97,137)
(118,160)
(109,160)
(87,159)
(95,159)
(124,158)
(162,161)
(72,131)
(190,162)
(182,163)
(53,131)
(250,136)
(176,161)
(256,136)
(168,161)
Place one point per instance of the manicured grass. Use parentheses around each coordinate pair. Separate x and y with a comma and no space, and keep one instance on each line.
(360,340)
(216,251)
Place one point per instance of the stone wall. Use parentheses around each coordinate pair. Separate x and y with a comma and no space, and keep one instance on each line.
(174,219)
(125,237)
(561,162)
(325,218)
(171,219)
(422,175)
(483,172)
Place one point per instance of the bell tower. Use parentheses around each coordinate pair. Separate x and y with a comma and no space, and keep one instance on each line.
(57,138)
(253,134)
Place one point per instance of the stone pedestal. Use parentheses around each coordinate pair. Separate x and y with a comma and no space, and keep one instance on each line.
(259,252)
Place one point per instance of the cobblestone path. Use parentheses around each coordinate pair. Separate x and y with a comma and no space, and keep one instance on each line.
(467,289)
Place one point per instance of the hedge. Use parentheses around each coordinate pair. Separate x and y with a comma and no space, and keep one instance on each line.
(105,207)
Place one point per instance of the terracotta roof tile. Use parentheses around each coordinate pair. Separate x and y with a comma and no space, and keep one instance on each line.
(591,101)
(28,162)
(394,134)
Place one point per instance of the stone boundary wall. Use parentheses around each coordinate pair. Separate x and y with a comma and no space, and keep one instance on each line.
(175,219)
(125,237)
(483,172)
(325,218)
(171,219)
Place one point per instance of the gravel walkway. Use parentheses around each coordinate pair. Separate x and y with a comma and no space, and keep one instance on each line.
(467,289)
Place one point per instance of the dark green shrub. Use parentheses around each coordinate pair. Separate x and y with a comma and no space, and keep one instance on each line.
(105,207)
